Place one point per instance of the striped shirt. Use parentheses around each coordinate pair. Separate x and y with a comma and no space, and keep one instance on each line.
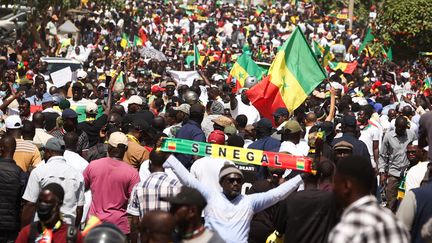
(365,221)
(146,195)
(26,155)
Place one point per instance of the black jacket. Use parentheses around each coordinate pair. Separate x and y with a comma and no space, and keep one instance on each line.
(13,181)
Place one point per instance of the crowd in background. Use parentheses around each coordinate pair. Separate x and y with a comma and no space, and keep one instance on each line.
(90,147)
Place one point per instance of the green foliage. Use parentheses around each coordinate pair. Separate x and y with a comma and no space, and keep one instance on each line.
(406,23)
(361,7)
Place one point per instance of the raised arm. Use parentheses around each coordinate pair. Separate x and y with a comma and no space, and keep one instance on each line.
(185,177)
(261,201)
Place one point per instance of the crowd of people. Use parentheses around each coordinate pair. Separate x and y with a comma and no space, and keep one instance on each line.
(88,150)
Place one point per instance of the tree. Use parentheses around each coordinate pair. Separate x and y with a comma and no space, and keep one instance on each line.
(406,25)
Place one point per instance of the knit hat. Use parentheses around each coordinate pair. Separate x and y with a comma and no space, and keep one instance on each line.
(228,169)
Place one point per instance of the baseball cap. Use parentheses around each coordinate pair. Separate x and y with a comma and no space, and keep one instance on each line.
(349,121)
(134,99)
(185,108)
(230,130)
(81,74)
(293,126)
(13,122)
(91,108)
(157,88)
(217,137)
(47,99)
(117,138)
(69,113)
(265,123)
(55,144)
(281,111)
(343,145)
(223,121)
(217,108)
(171,83)
(64,104)
(187,196)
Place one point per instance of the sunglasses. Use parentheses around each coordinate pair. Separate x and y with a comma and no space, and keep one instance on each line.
(232,180)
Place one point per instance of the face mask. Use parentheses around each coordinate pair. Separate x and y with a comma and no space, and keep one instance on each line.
(2,94)
(44,211)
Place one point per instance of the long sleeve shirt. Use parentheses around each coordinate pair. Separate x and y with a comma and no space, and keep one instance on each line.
(231,219)
(394,146)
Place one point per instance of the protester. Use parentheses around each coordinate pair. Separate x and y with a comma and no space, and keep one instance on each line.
(189,226)
(26,154)
(55,170)
(318,205)
(363,219)
(414,210)
(50,226)
(147,195)
(157,226)
(111,181)
(221,205)
(393,158)
(222,72)
(13,180)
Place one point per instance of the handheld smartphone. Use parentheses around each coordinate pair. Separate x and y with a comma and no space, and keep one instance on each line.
(107,81)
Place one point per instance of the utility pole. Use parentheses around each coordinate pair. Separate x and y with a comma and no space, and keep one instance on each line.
(351,13)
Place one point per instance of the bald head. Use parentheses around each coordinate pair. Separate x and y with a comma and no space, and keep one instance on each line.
(71,141)
(157,226)
(39,119)
(311,118)
(7,146)
(158,123)
(407,111)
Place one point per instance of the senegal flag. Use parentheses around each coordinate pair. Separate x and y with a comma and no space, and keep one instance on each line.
(293,75)
(243,68)
(124,41)
(137,41)
(258,11)
(368,38)
(343,66)
(318,50)
(197,57)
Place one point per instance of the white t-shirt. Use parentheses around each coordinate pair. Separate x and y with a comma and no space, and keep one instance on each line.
(415,175)
(206,170)
(144,172)
(300,149)
(249,111)
(368,135)
(80,164)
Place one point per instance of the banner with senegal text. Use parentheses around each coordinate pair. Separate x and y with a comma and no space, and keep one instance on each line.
(250,156)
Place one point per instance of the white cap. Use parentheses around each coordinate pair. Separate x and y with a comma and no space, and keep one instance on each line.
(13,122)
(134,99)
(117,138)
(81,74)
(91,108)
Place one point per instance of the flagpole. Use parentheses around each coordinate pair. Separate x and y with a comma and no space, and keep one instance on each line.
(195,56)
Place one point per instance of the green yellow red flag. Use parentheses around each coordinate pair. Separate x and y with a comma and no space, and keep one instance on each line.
(293,75)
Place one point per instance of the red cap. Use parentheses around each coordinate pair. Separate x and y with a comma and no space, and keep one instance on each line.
(217,137)
(157,88)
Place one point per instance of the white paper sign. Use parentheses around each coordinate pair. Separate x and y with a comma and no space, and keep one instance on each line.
(184,77)
(61,77)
